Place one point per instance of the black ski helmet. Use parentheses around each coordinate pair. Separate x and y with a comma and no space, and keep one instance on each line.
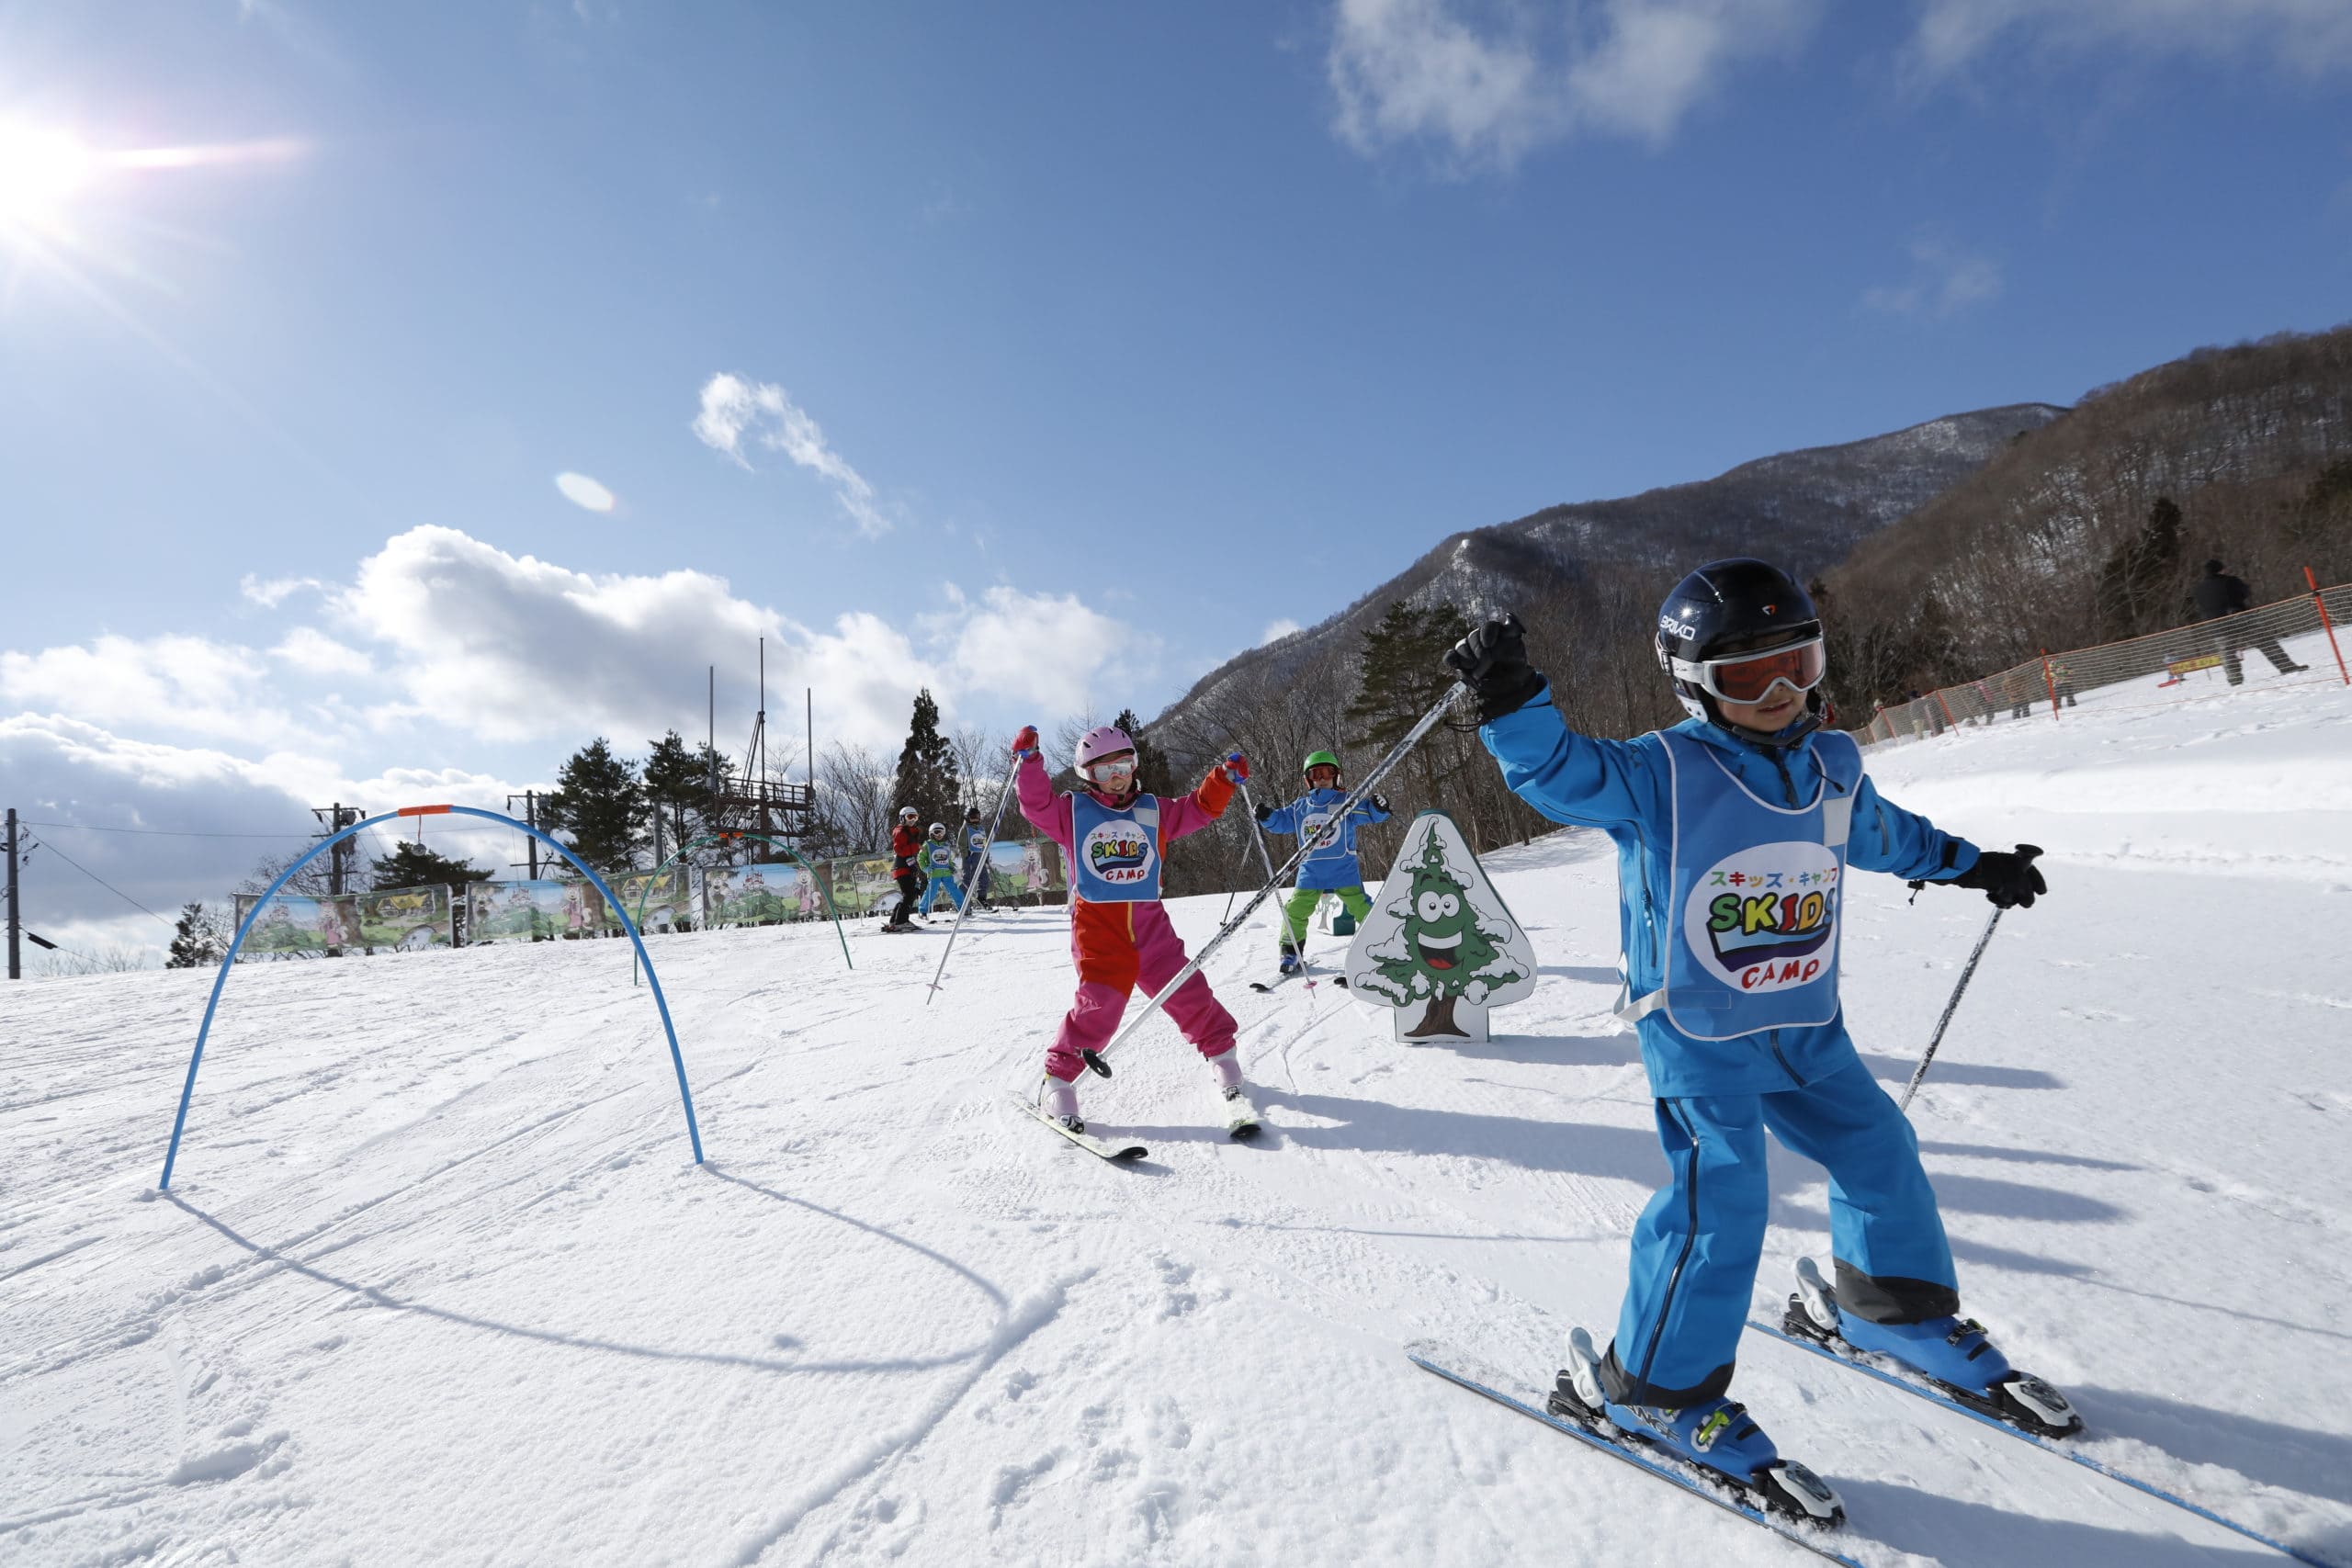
(1725,603)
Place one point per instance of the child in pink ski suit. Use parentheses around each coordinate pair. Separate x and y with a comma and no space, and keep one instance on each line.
(1114,837)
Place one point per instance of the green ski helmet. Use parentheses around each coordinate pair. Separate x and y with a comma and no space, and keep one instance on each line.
(1320,760)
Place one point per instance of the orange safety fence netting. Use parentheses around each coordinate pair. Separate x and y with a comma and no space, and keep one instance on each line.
(2305,639)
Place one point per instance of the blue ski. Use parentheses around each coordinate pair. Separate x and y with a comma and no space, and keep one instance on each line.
(2047,1445)
(1726,1499)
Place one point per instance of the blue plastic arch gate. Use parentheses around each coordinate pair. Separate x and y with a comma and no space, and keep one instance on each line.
(187,1091)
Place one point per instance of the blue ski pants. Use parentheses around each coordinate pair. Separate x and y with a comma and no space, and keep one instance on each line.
(1697,1244)
(941,882)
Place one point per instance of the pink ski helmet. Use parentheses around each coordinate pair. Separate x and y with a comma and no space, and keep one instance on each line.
(1102,740)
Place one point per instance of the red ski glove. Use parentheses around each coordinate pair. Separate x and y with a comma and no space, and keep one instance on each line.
(1237,767)
(1027,742)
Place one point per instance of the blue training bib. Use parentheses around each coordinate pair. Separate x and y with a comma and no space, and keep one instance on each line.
(1755,895)
(1116,856)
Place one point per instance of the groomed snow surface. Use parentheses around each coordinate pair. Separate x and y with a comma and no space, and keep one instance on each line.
(437,1281)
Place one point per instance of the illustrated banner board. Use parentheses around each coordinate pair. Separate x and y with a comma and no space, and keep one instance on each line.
(1021,870)
(513,911)
(1439,946)
(760,895)
(300,926)
(666,901)
(406,920)
(861,885)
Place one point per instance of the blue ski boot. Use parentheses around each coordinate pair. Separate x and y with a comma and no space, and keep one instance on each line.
(1955,1354)
(1716,1437)
(1292,962)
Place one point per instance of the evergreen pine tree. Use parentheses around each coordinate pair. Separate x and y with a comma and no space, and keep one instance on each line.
(2133,594)
(926,778)
(1402,670)
(677,793)
(1403,676)
(197,941)
(1152,774)
(598,802)
(413,865)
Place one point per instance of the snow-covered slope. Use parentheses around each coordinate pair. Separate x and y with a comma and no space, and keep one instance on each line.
(438,1282)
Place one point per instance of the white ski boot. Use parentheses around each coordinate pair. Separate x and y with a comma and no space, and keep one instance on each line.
(1059,1101)
(1241,1116)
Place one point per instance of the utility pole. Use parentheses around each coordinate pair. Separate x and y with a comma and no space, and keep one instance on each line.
(337,818)
(530,814)
(16,964)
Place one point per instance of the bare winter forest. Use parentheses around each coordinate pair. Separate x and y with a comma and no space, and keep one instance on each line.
(1940,552)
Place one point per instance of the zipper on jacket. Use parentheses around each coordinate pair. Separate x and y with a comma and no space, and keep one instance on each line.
(1773,1038)
(1788,785)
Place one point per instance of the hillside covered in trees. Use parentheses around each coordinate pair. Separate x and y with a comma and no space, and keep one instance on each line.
(1940,551)
(2093,527)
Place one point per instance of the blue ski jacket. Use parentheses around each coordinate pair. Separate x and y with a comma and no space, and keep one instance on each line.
(1624,788)
(1333,863)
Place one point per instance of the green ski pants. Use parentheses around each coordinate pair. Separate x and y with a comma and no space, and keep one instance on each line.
(1302,903)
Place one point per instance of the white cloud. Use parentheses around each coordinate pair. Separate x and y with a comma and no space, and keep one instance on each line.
(171,682)
(734,409)
(449,643)
(1277,630)
(584,493)
(2306,36)
(1944,281)
(1516,77)
(513,648)
(271,593)
(1048,650)
(311,650)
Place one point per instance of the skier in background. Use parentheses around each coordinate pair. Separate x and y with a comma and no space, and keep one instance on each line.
(2222,598)
(1734,831)
(1114,837)
(905,844)
(976,849)
(1330,866)
(937,858)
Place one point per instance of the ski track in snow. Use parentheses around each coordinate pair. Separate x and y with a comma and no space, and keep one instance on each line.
(440,1282)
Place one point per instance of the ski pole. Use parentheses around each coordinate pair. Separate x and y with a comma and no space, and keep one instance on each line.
(1396,754)
(1967,972)
(971,881)
(1265,858)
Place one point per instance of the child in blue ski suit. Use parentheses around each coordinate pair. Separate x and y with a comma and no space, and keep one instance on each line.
(937,860)
(1330,866)
(1735,832)
(976,848)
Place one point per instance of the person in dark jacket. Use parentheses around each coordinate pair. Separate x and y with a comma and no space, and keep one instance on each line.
(2221,597)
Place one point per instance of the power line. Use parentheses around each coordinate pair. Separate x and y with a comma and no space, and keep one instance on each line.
(102,882)
(155,832)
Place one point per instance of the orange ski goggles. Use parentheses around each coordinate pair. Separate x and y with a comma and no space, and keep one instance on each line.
(1751,677)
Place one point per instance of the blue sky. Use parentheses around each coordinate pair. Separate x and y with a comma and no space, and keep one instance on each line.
(1046,355)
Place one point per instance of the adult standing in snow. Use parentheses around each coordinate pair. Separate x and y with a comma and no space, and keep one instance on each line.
(2220,597)
(1114,837)
(1734,831)
(1330,866)
(976,848)
(905,844)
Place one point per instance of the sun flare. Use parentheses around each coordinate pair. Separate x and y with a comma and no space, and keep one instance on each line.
(40,171)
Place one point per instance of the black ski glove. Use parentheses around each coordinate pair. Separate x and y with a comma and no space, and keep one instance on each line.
(1492,661)
(1264,812)
(2006,876)
(1380,803)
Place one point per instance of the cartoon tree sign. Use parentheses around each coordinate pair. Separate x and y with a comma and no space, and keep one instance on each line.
(1439,946)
